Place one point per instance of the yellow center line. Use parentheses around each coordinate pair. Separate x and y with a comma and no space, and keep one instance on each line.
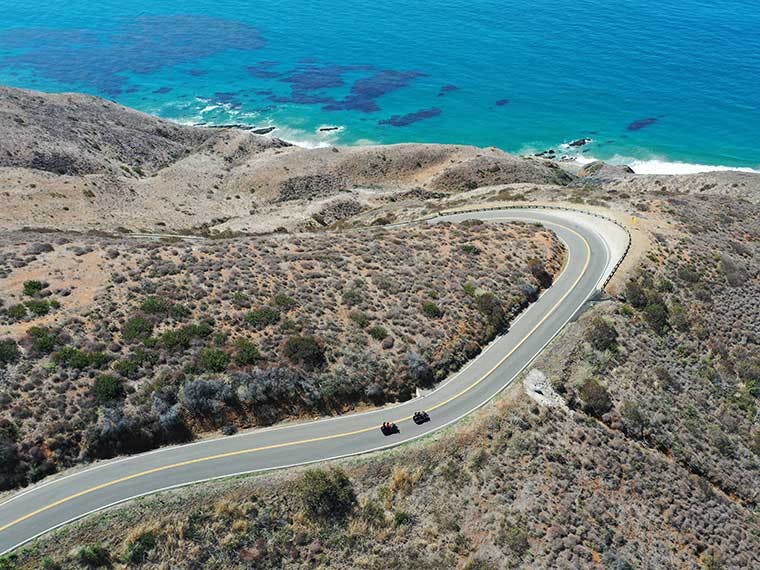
(526,337)
(315,439)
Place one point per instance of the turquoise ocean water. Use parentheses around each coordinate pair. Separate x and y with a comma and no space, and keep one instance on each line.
(667,83)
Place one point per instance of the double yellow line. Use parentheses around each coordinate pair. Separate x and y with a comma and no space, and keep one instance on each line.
(314,439)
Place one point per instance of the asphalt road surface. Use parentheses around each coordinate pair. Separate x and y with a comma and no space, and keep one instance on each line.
(62,499)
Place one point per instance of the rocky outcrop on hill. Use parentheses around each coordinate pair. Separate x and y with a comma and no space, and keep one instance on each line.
(498,168)
(603,170)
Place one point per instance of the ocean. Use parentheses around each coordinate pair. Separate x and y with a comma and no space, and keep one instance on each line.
(667,85)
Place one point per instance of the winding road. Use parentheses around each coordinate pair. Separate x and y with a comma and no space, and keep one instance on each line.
(594,247)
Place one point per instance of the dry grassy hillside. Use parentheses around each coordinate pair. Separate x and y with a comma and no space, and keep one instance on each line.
(80,163)
(646,456)
(640,448)
(108,349)
(73,134)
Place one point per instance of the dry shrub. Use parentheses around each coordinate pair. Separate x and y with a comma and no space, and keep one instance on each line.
(403,481)
(235,505)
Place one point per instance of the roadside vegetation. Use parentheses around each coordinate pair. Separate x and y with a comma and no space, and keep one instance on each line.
(648,457)
(186,338)
(654,462)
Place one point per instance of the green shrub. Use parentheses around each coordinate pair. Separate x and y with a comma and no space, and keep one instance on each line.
(48,563)
(656,316)
(138,550)
(144,357)
(679,317)
(470,249)
(601,334)
(326,494)
(177,340)
(262,317)
(128,368)
(284,301)
(107,388)
(402,518)
(80,359)
(490,307)
(635,295)
(516,540)
(634,420)
(16,312)
(43,340)
(596,399)
(98,359)
(749,371)
(240,299)
(9,353)
(33,287)
(361,319)
(721,441)
(665,286)
(246,352)
(304,350)
(95,556)
(213,360)
(431,310)
(136,328)
(156,305)
(469,288)
(538,271)
(38,307)
(378,333)
(736,274)
(8,562)
(178,311)
(352,297)
(688,274)
(201,329)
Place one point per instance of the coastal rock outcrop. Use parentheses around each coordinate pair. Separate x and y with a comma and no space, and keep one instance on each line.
(601,169)
(498,168)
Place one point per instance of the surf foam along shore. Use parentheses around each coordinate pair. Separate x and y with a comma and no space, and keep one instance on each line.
(661,166)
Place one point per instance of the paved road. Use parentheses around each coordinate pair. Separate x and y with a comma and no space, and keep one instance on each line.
(52,503)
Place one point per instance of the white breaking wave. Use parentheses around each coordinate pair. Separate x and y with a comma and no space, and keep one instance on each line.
(665,167)
(301,138)
(661,166)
